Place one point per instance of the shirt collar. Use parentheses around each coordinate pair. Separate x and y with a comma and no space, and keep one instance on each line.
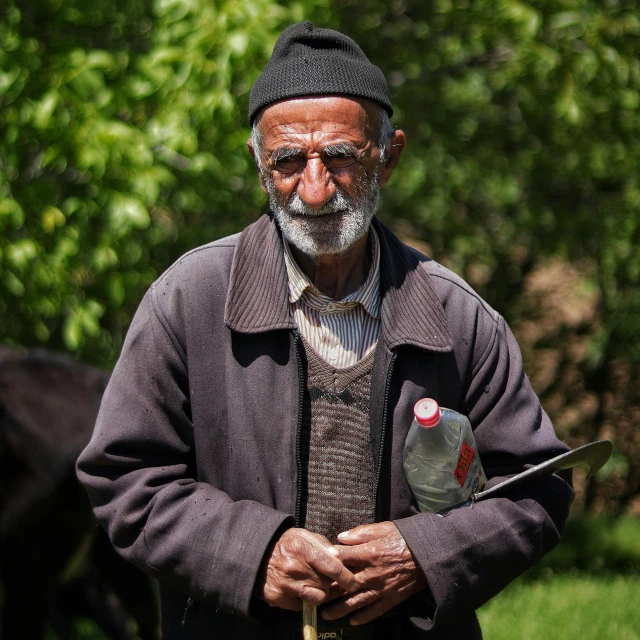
(368,295)
(411,311)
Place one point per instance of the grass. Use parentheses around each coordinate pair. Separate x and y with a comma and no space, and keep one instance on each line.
(587,588)
(595,545)
(570,607)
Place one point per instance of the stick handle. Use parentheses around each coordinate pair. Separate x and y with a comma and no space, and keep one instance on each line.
(309,622)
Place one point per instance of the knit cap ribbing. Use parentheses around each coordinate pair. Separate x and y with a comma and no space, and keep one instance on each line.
(307,61)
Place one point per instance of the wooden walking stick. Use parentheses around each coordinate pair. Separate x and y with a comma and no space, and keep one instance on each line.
(309,622)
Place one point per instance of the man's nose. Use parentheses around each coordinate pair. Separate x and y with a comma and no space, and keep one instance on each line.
(316,187)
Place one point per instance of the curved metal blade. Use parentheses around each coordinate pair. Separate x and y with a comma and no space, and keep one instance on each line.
(594,455)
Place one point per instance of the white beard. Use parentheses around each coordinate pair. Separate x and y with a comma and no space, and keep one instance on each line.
(314,234)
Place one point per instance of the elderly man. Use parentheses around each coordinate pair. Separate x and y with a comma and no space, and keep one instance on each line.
(248,450)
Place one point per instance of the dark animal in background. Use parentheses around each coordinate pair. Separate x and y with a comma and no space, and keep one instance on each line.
(48,406)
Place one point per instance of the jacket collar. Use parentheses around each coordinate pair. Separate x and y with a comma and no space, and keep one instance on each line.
(258,298)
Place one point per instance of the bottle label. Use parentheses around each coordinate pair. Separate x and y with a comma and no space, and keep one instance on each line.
(467,454)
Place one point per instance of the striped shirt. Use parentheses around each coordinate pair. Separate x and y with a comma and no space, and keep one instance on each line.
(340,332)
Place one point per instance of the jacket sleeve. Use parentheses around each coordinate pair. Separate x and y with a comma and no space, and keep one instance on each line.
(139,472)
(472,553)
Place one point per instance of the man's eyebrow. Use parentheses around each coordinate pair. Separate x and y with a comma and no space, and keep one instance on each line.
(331,150)
(341,149)
(284,153)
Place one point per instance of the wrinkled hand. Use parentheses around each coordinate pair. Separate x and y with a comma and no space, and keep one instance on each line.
(382,562)
(302,566)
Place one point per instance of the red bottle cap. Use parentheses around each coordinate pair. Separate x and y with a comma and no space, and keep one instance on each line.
(427,412)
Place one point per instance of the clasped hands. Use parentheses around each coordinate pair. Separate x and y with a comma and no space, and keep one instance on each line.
(368,572)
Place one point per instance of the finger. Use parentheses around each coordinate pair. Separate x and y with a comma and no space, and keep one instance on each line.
(355,557)
(367,532)
(289,593)
(299,571)
(358,535)
(371,612)
(329,565)
(335,592)
(276,597)
(348,604)
(311,595)
(310,558)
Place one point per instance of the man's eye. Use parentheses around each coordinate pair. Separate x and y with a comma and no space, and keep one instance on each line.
(339,161)
(288,164)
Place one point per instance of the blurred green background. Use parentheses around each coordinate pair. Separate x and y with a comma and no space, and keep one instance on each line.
(122,145)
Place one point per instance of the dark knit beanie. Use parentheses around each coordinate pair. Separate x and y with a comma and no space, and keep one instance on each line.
(308,62)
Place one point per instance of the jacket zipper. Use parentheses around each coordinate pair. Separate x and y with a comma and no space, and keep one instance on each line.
(296,348)
(185,613)
(387,388)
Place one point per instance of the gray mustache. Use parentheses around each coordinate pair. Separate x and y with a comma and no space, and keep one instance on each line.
(339,202)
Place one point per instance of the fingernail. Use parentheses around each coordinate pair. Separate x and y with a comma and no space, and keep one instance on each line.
(344,534)
(333,551)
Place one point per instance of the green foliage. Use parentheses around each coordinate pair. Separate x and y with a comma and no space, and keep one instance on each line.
(122,145)
(523,126)
(124,130)
(568,607)
(594,545)
(523,134)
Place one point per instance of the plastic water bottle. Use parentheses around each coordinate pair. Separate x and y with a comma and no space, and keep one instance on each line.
(441,460)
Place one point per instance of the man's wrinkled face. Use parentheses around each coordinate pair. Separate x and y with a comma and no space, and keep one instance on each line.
(320,165)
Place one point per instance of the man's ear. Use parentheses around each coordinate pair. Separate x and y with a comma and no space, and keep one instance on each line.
(252,151)
(396,147)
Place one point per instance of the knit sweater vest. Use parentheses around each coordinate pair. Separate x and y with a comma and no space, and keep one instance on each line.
(338,486)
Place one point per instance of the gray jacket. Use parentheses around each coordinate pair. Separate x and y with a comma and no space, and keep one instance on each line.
(193,467)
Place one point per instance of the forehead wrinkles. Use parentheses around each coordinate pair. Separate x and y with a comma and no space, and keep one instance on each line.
(312,139)
(318,121)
